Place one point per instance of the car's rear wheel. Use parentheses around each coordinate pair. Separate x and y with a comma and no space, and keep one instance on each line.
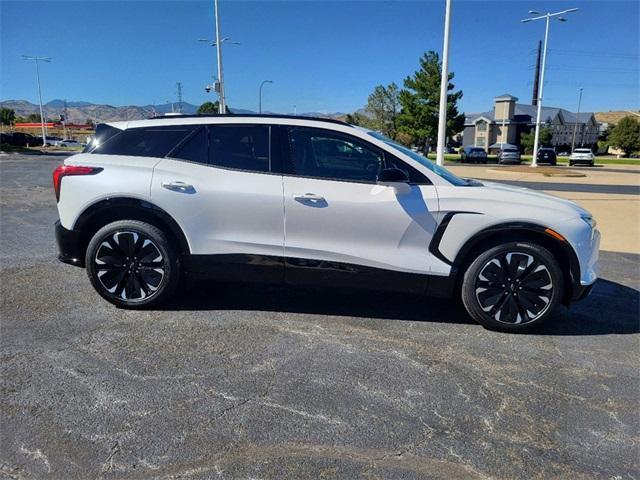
(132,264)
(512,287)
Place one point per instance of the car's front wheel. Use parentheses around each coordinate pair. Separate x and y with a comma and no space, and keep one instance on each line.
(132,264)
(512,287)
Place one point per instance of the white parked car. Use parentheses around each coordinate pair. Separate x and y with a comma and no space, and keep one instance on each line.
(67,143)
(582,156)
(311,201)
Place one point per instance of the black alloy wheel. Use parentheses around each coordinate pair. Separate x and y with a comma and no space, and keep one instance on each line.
(132,264)
(513,286)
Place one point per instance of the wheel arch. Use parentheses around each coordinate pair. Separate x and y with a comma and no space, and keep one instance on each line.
(562,251)
(112,209)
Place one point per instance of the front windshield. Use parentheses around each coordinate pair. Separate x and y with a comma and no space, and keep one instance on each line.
(437,169)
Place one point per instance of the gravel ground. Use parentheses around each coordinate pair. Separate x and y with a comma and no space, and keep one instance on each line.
(235,381)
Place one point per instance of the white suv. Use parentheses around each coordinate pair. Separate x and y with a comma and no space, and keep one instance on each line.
(582,156)
(311,201)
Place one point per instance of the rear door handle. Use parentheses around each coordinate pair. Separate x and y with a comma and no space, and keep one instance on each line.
(308,196)
(178,186)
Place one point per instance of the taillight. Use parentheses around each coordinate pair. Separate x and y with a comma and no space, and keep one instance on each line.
(68,170)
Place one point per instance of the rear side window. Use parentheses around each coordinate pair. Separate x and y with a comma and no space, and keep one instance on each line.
(103,133)
(146,141)
(195,148)
(241,147)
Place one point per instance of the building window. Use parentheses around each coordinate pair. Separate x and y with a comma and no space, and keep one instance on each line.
(481,126)
(480,142)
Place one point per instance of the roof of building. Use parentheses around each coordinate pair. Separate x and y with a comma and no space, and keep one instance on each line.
(506,96)
(527,113)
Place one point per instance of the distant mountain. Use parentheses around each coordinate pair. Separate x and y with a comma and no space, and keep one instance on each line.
(80,111)
(57,103)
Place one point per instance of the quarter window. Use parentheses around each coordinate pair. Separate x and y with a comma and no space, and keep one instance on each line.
(242,147)
(323,154)
(145,142)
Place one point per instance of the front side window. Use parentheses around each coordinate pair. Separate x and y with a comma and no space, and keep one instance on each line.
(324,154)
(241,147)
(145,141)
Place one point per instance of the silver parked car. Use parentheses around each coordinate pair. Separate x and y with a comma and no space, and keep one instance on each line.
(509,155)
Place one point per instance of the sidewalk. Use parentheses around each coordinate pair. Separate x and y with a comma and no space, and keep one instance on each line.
(618,214)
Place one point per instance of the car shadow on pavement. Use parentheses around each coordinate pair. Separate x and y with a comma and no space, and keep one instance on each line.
(612,308)
(209,295)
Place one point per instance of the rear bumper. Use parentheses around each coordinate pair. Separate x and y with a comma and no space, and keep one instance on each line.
(69,246)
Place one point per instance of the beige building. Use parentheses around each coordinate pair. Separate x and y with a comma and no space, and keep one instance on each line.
(509,119)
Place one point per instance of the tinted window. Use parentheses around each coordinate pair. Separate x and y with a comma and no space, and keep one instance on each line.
(195,148)
(324,154)
(145,142)
(243,147)
(103,133)
(413,175)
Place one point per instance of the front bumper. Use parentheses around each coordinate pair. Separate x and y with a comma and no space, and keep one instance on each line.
(69,246)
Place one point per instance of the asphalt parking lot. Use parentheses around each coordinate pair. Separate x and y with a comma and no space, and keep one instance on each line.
(236,381)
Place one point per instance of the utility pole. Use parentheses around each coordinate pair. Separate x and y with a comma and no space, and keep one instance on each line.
(36,60)
(64,122)
(547,17)
(444,84)
(536,78)
(179,87)
(575,125)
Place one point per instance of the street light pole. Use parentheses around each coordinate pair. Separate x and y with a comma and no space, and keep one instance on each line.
(575,126)
(547,17)
(444,86)
(260,95)
(222,103)
(36,60)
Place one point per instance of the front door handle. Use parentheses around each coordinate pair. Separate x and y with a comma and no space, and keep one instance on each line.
(308,196)
(178,186)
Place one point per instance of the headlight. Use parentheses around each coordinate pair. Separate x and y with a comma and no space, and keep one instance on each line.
(590,220)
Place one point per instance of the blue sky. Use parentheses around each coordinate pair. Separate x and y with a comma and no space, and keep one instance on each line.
(321,56)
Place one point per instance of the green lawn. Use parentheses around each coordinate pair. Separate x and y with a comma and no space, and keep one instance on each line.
(454,157)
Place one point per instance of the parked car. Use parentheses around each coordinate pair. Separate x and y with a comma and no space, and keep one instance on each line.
(67,143)
(582,156)
(509,155)
(20,139)
(547,155)
(311,201)
(473,155)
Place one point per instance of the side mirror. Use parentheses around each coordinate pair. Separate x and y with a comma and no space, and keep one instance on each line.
(392,175)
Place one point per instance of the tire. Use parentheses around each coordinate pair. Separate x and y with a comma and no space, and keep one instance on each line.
(570,163)
(132,264)
(512,287)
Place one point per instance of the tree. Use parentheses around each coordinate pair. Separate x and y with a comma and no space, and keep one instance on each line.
(357,118)
(420,102)
(7,116)
(211,108)
(383,105)
(90,122)
(626,135)
(527,139)
(33,118)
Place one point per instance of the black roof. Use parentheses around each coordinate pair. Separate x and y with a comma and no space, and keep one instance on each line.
(247,115)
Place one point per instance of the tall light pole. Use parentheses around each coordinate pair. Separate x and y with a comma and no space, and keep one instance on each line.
(36,60)
(547,17)
(444,86)
(575,126)
(260,94)
(219,86)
